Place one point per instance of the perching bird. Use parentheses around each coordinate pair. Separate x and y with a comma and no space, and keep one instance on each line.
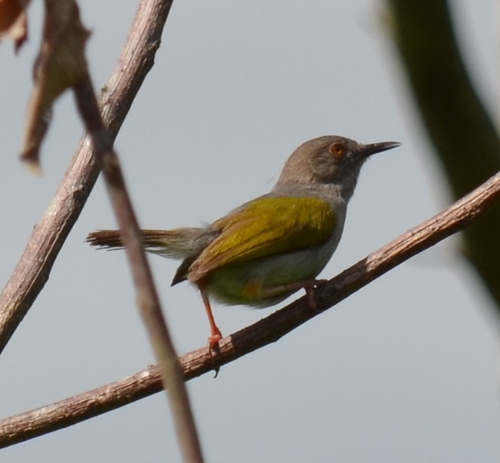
(272,246)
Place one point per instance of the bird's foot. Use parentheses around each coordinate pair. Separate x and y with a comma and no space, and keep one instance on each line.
(309,288)
(214,338)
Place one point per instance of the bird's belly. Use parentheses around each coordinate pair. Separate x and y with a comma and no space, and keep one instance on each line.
(263,282)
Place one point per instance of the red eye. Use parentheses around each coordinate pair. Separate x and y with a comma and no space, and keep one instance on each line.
(337,149)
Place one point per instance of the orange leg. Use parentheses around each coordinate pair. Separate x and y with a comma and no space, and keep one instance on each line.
(215,334)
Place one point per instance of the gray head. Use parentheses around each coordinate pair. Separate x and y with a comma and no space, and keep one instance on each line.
(330,160)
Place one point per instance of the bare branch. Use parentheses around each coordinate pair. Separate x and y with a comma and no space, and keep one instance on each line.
(62,64)
(148,301)
(98,401)
(49,234)
(466,140)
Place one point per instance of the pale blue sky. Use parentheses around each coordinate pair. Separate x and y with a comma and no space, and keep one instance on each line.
(406,370)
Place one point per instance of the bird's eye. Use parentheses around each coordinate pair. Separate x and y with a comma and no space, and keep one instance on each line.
(337,149)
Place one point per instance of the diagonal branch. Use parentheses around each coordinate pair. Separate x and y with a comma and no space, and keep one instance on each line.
(458,124)
(75,409)
(48,236)
(146,295)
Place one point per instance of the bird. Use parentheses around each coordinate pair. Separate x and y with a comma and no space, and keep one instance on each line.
(272,246)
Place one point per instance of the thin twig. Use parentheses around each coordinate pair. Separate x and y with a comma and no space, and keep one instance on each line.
(104,155)
(75,409)
(33,269)
(148,301)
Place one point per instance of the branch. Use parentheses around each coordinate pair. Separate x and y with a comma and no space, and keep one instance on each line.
(458,124)
(62,64)
(33,269)
(148,301)
(75,409)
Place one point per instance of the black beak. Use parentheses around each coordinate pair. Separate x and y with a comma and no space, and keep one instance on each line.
(367,150)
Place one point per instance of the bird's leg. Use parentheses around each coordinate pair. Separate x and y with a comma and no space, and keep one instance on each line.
(309,289)
(215,334)
(308,286)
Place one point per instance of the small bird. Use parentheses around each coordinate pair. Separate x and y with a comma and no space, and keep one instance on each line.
(272,246)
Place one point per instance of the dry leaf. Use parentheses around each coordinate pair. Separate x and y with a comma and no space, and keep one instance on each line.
(13,21)
(60,64)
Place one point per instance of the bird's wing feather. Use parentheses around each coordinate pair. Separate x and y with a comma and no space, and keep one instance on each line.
(265,227)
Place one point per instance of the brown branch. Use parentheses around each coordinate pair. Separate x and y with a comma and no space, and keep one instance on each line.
(148,301)
(61,64)
(48,236)
(98,401)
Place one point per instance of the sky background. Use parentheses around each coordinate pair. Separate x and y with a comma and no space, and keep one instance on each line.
(405,370)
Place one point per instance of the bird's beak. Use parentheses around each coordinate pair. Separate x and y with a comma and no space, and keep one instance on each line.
(367,150)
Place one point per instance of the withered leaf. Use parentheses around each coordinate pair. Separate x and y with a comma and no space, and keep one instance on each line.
(60,64)
(13,21)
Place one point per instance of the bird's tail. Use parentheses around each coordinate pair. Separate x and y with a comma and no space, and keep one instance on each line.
(179,243)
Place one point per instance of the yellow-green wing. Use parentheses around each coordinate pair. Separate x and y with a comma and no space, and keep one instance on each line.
(264,227)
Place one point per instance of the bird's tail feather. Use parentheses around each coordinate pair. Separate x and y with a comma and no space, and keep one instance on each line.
(179,243)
